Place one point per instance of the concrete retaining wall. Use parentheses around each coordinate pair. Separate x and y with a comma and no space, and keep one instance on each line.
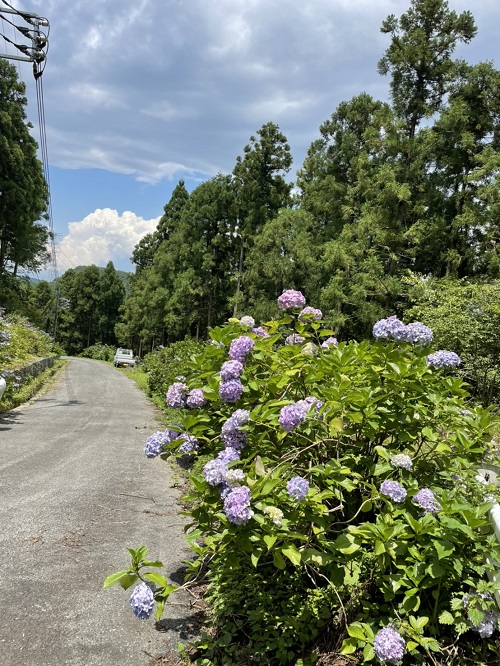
(36,367)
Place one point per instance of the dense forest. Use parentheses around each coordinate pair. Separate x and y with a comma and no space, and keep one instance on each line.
(391,195)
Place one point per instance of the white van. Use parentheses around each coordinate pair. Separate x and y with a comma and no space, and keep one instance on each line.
(123,357)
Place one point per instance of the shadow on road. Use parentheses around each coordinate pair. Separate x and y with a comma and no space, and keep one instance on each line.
(9,419)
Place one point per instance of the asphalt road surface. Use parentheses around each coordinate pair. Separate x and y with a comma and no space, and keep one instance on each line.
(75,491)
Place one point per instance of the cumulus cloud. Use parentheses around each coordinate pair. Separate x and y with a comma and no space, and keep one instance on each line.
(155,89)
(102,236)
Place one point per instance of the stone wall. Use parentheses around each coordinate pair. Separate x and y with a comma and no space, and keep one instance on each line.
(36,367)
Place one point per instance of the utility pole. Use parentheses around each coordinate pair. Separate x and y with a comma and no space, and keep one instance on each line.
(36,51)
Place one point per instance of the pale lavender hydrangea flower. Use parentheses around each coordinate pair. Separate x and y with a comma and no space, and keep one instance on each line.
(389,328)
(443,359)
(231,370)
(156,441)
(292,415)
(238,418)
(214,472)
(394,490)
(235,439)
(298,487)
(294,339)
(309,313)
(230,391)
(196,398)
(275,514)
(142,601)
(189,444)
(247,321)
(261,332)
(488,624)
(176,395)
(329,342)
(240,348)
(389,646)
(401,460)
(237,505)
(228,454)
(234,476)
(416,332)
(291,299)
(426,499)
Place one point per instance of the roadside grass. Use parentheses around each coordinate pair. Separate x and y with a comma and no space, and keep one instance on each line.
(32,387)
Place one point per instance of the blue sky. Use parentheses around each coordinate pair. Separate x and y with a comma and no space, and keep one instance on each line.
(139,94)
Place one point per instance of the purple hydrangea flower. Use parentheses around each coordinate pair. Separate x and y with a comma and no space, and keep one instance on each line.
(416,332)
(394,490)
(389,646)
(240,348)
(292,415)
(294,339)
(247,321)
(231,370)
(443,359)
(298,488)
(196,398)
(401,460)
(142,601)
(176,395)
(237,505)
(309,313)
(155,443)
(189,445)
(426,499)
(291,299)
(261,332)
(238,418)
(228,454)
(329,342)
(214,472)
(389,328)
(230,391)
(235,439)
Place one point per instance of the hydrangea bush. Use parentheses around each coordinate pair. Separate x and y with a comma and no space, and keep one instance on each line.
(339,499)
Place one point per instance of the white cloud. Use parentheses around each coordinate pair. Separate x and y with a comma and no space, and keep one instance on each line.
(102,236)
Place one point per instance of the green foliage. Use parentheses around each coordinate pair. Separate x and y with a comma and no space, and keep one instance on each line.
(165,364)
(465,317)
(347,554)
(99,352)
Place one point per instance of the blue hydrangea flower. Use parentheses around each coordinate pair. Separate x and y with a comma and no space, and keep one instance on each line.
(389,328)
(261,332)
(230,391)
(231,370)
(389,646)
(291,299)
(214,472)
(298,487)
(237,505)
(329,342)
(426,499)
(155,443)
(236,439)
(294,339)
(247,321)
(240,348)
(416,332)
(443,359)
(401,460)
(292,416)
(141,601)
(195,399)
(309,313)
(189,444)
(228,454)
(238,418)
(176,395)
(394,490)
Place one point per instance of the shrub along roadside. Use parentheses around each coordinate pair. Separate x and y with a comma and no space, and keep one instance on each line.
(341,493)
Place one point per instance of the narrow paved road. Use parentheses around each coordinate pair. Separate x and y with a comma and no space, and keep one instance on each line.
(75,490)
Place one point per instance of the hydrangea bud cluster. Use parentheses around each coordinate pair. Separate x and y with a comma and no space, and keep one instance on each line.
(393,328)
(275,514)
(231,370)
(425,498)
(329,342)
(141,601)
(231,390)
(294,339)
(292,415)
(389,646)
(189,445)
(176,395)
(196,398)
(261,332)
(309,313)
(443,359)
(297,488)
(394,490)
(157,441)
(402,461)
(291,299)
(247,321)
(310,349)
(240,348)
(237,505)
